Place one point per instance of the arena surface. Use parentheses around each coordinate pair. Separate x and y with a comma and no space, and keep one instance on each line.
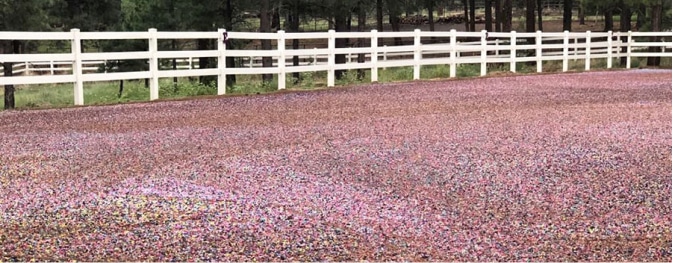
(562,167)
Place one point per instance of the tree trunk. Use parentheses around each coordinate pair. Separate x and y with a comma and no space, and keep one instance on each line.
(228,23)
(174,46)
(466,9)
(489,15)
(507,16)
(395,25)
(609,23)
(625,18)
(530,15)
(275,21)
(293,26)
(121,88)
(8,72)
(430,5)
(624,26)
(498,16)
(657,11)
(580,13)
(567,15)
(640,21)
(473,19)
(379,15)
(539,15)
(419,15)
(349,24)
(6,47)
(394,13)
(362,20)
(265,26)
(204,62)
(9,89)
(172,26)
(340,25)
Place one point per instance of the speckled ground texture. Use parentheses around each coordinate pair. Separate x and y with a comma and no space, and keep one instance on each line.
(554,167)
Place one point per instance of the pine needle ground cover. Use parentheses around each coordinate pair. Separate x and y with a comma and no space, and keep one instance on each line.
(555,167)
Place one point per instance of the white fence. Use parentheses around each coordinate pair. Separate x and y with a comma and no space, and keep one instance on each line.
(498,47)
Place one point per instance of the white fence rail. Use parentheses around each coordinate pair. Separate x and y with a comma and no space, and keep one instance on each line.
(498,47)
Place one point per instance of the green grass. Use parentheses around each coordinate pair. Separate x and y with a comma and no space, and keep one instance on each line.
(642,63)
(396,74)
(436,71)
(61,95)
(36,96)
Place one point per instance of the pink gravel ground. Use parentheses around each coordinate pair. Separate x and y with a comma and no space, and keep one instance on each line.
(564,167)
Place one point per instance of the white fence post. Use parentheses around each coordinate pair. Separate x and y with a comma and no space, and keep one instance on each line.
(538,50)
(281,59)
(251,60)
(77,66)
(457,52)
(576,48)
(512,51)
(375,56)
(452,54)
(663,46)
(618,37)
(385,55)
(330,59)
(315,56)
(483,52)
(610,49)
(628,49)
(51,67)
(154,65)
(497,47)
(587,52)
(566,40)
(417,54)
(221,62)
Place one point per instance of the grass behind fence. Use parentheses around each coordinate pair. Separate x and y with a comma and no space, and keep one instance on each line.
(103,93)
